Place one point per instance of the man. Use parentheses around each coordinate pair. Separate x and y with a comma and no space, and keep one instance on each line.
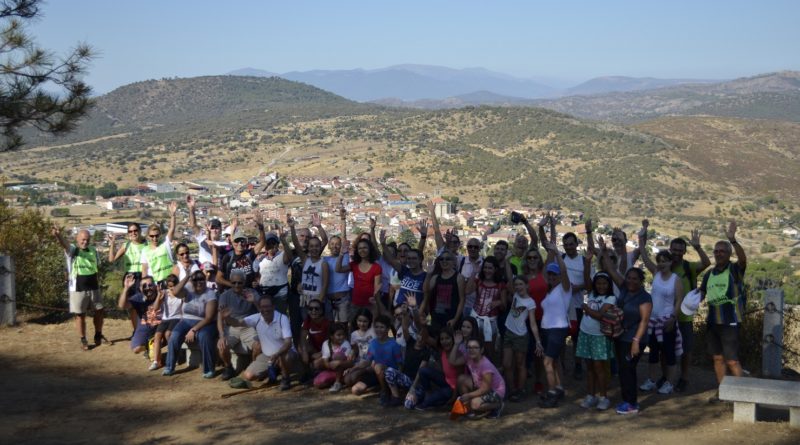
(84,288)
(687,272)
(723,290)
(300,249)
(241,303)
(140,302)
(625,259)
(576,264)
(211,234)
(520,246)
(275,337)
(241,258)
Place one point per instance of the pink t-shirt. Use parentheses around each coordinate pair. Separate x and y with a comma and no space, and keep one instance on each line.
(477,370)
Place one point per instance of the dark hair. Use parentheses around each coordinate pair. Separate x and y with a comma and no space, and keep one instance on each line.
(135,224)
(447,330)
(678,241)
(569,235)
(266,297)
(497,273)
(405,244)
(363,312)
(371,256)
(502,242)
(602,276)
(520,278)
(172,278)
(474,323)
(312,238)
(336,327)
(179,245)
(418,252)
(664,254)
(384,320)
(525,269)
(638,272)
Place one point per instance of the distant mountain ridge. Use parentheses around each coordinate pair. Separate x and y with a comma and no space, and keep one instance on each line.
(607,84)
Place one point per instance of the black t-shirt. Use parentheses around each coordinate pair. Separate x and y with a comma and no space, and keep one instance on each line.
(414,358)
(244,263)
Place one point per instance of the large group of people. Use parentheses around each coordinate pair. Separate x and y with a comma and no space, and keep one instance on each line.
(481,326)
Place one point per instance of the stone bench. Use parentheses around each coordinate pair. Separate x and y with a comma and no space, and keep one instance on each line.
(746,393)
(191,355)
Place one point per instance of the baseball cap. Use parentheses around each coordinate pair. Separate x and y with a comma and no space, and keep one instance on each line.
(553,268)
(271,237)
(691,302)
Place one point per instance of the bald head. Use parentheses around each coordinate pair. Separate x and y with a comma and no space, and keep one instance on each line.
(82,239)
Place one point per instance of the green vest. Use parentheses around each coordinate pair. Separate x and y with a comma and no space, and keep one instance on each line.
(159,264)
(84,262)
(133,256)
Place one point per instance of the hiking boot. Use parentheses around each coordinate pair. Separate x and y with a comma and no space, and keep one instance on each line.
(550,400)
(589,401)
(336,387)
(648,385)
(228,373)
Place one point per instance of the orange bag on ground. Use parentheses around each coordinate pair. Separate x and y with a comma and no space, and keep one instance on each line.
(458,410)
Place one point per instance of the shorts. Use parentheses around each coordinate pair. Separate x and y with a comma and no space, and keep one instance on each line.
(687,335)
(325,378)
(491,397)
(243,337)
(553,341)
(368,378)
(723,340)
(517,343)
(594,347)
(81,301)
(167,325)
(261,364)
(141,335)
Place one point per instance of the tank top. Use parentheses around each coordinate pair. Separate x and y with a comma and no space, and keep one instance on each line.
(537,289)
(182,271)
(446,299)
(484,297)
(273,271)
(312,276)
(663,294)
(132,257)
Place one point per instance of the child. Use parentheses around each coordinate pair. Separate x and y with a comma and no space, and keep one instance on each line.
(359,340)
(417,356)
(383,353)
(482,388)
(171,306)
(337,356)
(515,341)
(434,386)
(593,346)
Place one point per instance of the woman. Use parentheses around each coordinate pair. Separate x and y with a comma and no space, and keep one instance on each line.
(198,323)
(482,388)
(636,305)
(666,293)
(157,258)
(366,276)
(555,324)
(444,293)
(185,262)
(273,269)
(131,254)
(490,300)
(533,271)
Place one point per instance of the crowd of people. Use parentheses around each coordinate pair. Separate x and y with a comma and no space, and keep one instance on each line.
(481,326)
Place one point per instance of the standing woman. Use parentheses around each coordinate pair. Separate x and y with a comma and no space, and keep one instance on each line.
(533,271)
(555,324)
(636,305)
(157,258)
(490,300)
(366,275)
(444,293)
(131,254)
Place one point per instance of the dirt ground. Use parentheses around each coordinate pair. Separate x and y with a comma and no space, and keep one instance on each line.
(52,392)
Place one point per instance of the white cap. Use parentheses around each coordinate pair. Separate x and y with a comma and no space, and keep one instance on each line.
(691,302)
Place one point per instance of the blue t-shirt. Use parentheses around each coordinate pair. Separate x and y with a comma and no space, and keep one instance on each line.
(631,317)
(337,282)
(388,353)
(140,304)
(409,284)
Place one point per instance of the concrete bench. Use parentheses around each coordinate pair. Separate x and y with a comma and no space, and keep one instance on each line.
(746,393)
(191,355)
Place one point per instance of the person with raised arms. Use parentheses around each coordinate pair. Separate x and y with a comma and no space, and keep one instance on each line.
(157,258)
(131,254)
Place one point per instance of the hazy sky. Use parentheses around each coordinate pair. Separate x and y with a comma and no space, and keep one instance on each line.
(558,41)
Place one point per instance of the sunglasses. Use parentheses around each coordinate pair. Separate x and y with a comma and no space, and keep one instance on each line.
(239,241)
(154,235)
(314,309)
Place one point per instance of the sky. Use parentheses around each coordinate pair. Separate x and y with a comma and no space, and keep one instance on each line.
(561,43)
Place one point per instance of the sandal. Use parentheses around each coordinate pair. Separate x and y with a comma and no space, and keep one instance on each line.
(84,344)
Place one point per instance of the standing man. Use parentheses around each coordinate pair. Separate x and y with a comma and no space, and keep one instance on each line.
(84,287)
(723,290)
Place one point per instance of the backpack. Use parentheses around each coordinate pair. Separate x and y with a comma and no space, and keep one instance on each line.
(611,322)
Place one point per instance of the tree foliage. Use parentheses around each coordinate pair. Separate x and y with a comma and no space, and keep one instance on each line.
(28,76)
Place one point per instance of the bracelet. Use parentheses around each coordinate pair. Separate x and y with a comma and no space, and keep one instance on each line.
(635,339)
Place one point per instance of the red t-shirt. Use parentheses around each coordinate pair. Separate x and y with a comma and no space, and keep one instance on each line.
(364,283)
(317,331)
(537,289)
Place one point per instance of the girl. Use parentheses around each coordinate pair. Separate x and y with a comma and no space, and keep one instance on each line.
(366,275)
(593,346)
(171,307)
(482,388)
(359,340)
(515,341)
(490,300)
(436,387)
(337,356)
(555,324)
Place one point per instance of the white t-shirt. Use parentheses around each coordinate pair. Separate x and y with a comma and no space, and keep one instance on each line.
(468,272)
(575,273)
(171,308)
(273,271)
(361,341)
(588,324)
(663,294)
(344,348)
(194,306)
(518,315)
(312,277)
(204,254)
(556,306)
(270,335)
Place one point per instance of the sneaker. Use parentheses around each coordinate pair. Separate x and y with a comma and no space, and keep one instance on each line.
(648,385)
(153,366)
(209,375)
(626,408)
(228,373)
(286,384)
(336,387)
(681,386)
(666,388)
(495,413)
(550,401)
(167,372)
(661,382)
(603,403)
(589,402)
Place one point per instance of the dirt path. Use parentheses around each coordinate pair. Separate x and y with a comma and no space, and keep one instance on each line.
(52,392)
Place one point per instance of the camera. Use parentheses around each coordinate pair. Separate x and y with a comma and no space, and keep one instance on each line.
(516,217)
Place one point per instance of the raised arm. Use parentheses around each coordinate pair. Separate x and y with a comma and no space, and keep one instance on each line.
(741,257)
(56,232)
(343,268)
(291,222)
(695,242)
(122,301)
(113,255)
(531,233)
(288,255)
(644,252)
(422,227)
(192,204)
(258,221)
(388,255)
(437,234)
(589,237)
(316,221)
(608,265)
(173,209)
(551,247)
(181,284)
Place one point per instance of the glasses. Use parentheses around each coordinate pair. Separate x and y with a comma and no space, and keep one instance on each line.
(473,247)
(239,241)
(237,283)
(314,309)
(154,235)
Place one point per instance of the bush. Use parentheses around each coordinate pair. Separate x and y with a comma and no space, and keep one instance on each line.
(59,212)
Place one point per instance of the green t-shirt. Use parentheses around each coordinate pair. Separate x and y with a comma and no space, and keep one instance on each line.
(680,271)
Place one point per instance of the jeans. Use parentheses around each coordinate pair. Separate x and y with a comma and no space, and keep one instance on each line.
(205,337)
(627,371)
(428,378)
